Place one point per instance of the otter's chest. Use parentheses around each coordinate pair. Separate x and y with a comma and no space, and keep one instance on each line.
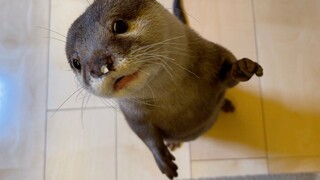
(177,119)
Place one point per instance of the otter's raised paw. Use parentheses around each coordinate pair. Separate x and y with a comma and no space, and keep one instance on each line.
(166,164)
(173,145)
(244,69)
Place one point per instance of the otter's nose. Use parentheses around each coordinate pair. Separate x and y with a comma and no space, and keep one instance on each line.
(101,66)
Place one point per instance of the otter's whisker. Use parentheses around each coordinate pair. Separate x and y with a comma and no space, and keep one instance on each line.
(151,92)
(83,107)
(141,102)
(171,60)
(148,74)
(197,20)
(175,52)
(146,60)
(167,70)
(108,103)
(39,27)
(162,63)
(158,52)
(161,56)
(151,68)
(162,44)
(80,93)
(155,44)
(142,53)
(66,101)
(181,67)
(56,39)
(144,48)
(157,48)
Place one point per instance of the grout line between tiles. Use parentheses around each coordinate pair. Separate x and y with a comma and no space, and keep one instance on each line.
(116,144)
(190,161)
(77,109)
(260,87)
(296,156)
(47,96)
(228,159)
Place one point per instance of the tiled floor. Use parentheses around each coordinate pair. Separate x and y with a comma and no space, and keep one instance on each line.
(275,129)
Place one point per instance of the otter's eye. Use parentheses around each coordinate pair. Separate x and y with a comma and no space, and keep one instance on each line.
(120,27)
(76,64)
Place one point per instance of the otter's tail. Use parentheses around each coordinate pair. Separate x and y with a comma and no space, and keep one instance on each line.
(178,11)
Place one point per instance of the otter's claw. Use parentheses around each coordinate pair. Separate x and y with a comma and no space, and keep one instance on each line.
(166,164)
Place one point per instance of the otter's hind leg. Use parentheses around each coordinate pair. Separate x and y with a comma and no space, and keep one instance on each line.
(228,106)
(151,136)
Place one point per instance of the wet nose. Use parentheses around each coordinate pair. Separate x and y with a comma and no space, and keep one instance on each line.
(100,66)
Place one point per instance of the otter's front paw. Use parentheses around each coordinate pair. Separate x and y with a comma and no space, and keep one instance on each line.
(166,164)
(244,69)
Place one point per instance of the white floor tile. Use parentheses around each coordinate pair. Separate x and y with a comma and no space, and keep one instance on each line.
(22,174)
(294,164)
(239,167)
(81,151)
(288,41)
(23,80)
(229,23)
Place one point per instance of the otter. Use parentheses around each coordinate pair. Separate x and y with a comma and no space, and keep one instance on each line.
(168,81)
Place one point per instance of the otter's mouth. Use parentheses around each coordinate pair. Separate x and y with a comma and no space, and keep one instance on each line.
(123,81)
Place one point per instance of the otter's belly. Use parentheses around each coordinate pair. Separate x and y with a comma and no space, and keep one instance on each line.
(192,131)
(190,125)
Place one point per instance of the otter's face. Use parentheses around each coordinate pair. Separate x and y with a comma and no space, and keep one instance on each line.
(112,46)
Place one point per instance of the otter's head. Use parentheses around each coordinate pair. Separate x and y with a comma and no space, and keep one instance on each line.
(112,47)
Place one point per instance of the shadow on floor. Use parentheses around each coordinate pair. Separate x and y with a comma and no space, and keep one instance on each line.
(268,125)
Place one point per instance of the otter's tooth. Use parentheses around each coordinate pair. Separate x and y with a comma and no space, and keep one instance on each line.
(104,69)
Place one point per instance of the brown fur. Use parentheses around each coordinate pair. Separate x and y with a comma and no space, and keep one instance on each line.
(174,99)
